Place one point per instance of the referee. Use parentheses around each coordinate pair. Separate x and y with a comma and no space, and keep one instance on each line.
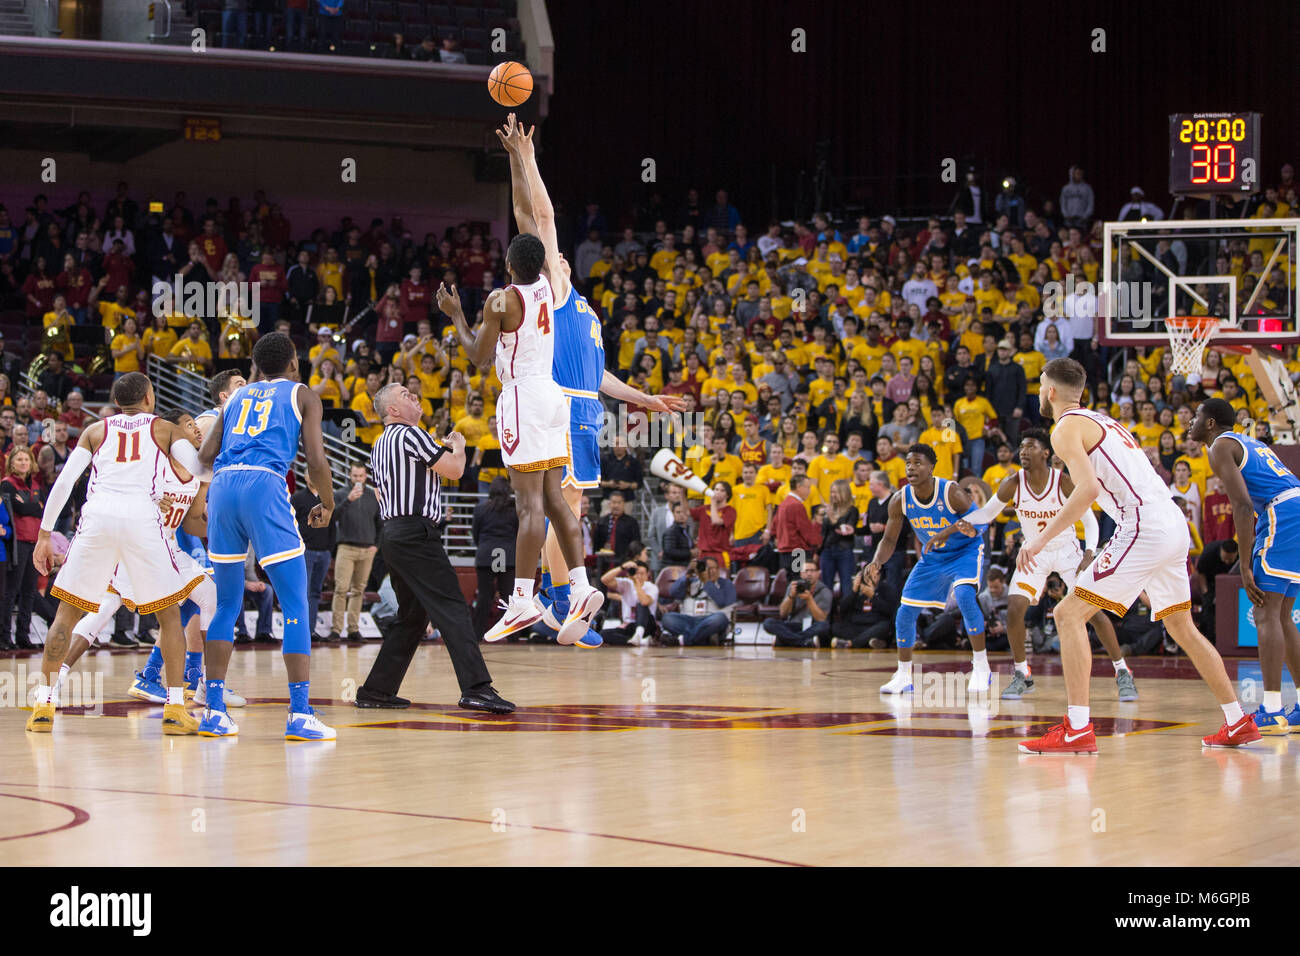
(406,464)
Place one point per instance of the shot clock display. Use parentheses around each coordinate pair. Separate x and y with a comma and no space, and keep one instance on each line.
(1213,152)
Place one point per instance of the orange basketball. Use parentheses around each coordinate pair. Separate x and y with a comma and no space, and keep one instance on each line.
(510,83)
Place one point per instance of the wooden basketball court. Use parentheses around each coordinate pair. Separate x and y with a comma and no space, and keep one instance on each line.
(646,756)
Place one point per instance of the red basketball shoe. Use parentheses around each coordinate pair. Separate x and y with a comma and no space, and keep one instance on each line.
(1062,739)
(1242,732)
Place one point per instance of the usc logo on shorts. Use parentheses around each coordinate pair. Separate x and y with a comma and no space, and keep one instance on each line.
(507,437)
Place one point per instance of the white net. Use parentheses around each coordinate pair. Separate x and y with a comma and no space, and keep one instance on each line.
(1188,338)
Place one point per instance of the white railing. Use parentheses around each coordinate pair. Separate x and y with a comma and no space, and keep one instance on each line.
(180,388)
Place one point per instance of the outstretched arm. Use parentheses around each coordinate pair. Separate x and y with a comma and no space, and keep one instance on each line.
(479,348)
(971,524)
(543,215)
(519,193)
(620,391)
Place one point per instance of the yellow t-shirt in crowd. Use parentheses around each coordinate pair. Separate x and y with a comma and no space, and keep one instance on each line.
(973,414)
(361,402)
(947,449)
(130,362)
(750,502)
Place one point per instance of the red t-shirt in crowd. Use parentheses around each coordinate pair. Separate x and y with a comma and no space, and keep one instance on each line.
(1216,518)
(271,281)
(714,540)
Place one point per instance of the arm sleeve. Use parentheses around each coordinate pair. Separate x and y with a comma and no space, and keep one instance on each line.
(187,456)
(76,464)
(985,515)
(1090,530)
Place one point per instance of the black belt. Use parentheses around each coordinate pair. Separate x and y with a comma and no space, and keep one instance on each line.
(356,544)
(436,525)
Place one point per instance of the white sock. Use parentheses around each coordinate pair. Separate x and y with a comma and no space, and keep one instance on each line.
(64,668)
(1120,665)
(1022,667)
(43,694)
(981,660)
(1272,701)
(1077,716)
(1232,712)
(523,590)
(175,695)
(578,579)
(905,668)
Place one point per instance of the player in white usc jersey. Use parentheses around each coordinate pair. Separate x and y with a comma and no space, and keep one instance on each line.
(579,367)
(1038,492)
(533,426)
(120,525)
(184,510)
(1148,552)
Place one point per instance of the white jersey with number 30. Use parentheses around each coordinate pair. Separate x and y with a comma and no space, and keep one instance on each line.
(529,351)
(1128,480)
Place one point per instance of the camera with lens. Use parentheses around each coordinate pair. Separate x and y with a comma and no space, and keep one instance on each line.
(800,587)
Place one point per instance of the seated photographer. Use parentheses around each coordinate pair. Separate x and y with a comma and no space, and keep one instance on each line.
(865,617)
(804,614)
(637,597)
(705,596)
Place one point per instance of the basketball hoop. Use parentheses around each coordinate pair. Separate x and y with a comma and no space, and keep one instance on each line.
(1188,337)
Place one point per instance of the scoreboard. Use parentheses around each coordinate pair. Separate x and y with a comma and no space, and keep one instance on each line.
(1213,153)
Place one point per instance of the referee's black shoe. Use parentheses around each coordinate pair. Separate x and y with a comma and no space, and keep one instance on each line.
(369,699)
(487,699)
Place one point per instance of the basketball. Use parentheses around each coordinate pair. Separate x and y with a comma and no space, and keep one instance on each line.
(510,84)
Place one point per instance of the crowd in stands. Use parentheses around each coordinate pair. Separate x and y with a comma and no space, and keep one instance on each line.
(811,356)
(417,30)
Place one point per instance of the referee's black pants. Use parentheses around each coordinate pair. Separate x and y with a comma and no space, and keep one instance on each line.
(427,590)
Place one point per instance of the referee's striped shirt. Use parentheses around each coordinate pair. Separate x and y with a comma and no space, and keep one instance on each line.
(400,461)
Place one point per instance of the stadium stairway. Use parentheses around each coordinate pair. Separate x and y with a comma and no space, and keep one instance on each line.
(14,20)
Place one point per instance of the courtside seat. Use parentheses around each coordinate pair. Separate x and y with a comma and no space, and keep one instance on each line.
(752,585)
(771,607)
(664,582)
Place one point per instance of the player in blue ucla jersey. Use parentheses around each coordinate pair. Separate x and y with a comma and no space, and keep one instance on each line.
(1265,498)
(250,450)
(578,366)
(929,505)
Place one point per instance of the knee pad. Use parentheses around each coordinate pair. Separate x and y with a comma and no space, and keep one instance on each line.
(204,597)
(905,624)
(91,627)
(971,614)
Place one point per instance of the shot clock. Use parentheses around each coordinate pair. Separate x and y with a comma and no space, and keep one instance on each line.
(1213,153)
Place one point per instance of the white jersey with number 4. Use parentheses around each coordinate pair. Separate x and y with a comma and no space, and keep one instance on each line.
(1128,479)
(529,351)
(1035,512)
(532,413)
